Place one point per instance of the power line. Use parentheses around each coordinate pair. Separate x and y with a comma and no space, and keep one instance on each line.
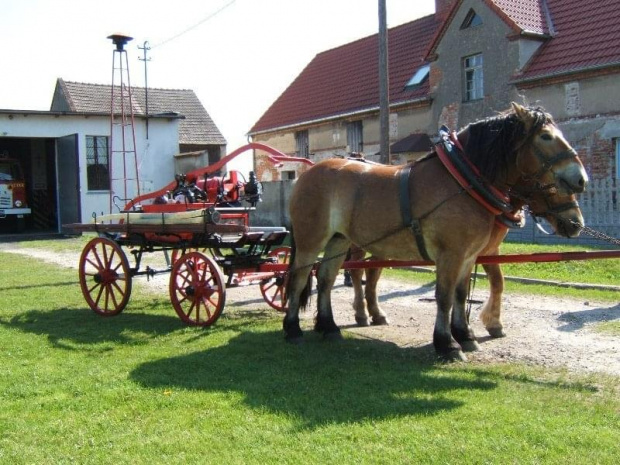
(199,23)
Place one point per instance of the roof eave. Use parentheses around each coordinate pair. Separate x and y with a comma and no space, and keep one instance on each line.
(347,114)
(542,77)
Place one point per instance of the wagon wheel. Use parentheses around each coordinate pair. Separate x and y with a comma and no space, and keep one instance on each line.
(273,288)
(197,289)
(105,277)
(177,253)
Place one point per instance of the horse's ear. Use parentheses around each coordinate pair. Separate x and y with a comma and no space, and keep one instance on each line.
(523,114)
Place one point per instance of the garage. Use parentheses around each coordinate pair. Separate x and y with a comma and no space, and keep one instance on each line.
(42,166)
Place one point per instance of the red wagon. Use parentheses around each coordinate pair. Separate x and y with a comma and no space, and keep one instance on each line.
(200,222)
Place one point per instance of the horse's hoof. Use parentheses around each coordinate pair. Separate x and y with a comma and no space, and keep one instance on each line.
(380,321)
(361,321)
(469,346)
(454,356)
(333,336)
(496,332)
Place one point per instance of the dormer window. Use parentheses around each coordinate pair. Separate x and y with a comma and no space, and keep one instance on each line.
(471,20)
(418,77)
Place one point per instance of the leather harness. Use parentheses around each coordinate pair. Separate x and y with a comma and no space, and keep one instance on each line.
(470,180)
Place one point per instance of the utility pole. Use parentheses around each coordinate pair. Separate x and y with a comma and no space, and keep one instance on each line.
(145,48)
(384,102)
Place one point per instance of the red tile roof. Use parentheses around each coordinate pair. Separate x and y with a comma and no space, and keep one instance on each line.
(346,79)
(196,128)
(586,36)
(524,15)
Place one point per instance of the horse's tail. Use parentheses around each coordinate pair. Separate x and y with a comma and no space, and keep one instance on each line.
(304,297)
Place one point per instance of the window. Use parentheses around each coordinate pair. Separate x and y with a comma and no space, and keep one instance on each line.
(97,163)
(418,77)
(287,175)
(473,77)
(471,20)
(302,144)
(354,136)
(617,158)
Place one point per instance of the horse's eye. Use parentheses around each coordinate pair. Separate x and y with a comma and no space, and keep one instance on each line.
(546,136)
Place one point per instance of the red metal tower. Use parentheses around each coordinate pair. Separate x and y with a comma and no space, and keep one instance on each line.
(122,131)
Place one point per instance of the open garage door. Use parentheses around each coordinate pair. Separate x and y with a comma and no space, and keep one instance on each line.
(67,169)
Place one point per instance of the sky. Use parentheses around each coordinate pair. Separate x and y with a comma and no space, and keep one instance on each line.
(238,56)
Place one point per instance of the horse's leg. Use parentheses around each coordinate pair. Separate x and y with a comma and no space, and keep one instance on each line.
(377,315)
(297,294)
(357,275)
(449,273)
(491,311)
(359,304)
(335,252)
(461,330)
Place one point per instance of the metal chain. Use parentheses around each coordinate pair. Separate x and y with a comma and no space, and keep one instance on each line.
(600,235)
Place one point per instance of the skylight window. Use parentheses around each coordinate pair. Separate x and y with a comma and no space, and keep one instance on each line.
(471,20)
(418,77)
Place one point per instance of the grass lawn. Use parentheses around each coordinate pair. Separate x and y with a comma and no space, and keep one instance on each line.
(143,388)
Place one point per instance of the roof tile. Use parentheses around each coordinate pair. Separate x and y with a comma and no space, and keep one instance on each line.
(586,35)
(196,128)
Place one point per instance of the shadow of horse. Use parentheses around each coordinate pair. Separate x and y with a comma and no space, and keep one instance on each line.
(359,380)
(574,321)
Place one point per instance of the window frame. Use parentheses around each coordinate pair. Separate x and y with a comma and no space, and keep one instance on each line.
(419,77)
(617,140)
(472,19)
(302,144)
(96,178)
(355,136)
(473,77)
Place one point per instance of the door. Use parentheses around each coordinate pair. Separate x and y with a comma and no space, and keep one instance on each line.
(68,181)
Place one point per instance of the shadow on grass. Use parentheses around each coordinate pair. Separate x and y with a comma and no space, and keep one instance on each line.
(318,382)
(574,321)
(72,329)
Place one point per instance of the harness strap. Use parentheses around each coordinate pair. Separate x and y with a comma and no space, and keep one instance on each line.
(405,212)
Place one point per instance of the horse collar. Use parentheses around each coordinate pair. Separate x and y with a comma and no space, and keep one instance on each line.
(405,212)
(451,153)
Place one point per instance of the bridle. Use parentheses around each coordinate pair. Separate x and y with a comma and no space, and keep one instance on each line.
(546,190)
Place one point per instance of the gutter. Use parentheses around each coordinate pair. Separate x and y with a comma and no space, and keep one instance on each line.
(563,73)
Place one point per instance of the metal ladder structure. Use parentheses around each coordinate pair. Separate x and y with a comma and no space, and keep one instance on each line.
(122,130)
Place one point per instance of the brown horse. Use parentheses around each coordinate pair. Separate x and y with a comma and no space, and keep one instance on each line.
(337,203)
(543,201)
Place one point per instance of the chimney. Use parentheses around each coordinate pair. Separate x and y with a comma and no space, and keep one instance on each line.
(442,8)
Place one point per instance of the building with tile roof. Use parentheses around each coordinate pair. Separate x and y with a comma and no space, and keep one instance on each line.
(467,61)
(197,131)
(69,167)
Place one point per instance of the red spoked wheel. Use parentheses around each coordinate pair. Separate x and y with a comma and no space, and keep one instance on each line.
(177,253)
(273,288)
(105,276)
(197,290)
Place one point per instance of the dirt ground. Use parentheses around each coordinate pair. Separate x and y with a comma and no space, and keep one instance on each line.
(549,332)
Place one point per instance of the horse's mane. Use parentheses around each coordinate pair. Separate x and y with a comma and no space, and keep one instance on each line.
(493,143)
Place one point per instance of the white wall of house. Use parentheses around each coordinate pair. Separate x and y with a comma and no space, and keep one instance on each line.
(154,156)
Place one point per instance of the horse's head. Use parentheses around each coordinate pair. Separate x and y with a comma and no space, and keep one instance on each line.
(560,210)
(544,156)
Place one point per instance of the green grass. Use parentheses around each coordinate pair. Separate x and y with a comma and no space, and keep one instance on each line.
(611,328)
(606,271)
(143,388)
(603,272)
